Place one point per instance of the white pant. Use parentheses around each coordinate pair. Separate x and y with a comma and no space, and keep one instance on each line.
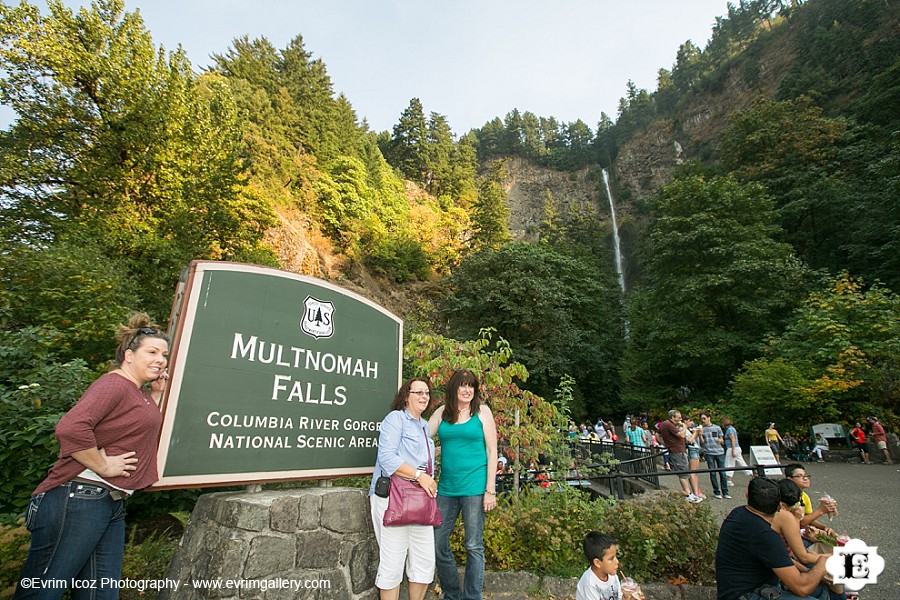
(731,460)
(410,544)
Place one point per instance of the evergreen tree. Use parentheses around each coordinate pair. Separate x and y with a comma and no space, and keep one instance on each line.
(561,315)
(409,144)
(716,283)
(119,146)
(438,151)
(490,215)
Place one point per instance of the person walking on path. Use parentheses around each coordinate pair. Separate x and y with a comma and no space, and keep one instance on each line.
(859,442)
(635,434)
(733,453)
(773,439)
(880,437)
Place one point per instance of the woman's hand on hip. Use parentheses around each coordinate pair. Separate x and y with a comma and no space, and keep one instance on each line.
(120,465)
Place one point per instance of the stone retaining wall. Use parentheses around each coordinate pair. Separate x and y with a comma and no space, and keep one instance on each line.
(320,541)
(309,536)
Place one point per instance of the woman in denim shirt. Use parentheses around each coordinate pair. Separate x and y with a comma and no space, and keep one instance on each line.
(405,449)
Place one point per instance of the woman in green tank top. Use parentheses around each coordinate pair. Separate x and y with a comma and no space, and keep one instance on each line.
(467,481)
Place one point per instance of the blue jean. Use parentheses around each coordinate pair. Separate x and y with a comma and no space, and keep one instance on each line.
(820,593)
(713,461)
(472,509)
(77,541)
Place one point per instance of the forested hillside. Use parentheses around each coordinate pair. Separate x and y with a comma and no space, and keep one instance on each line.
(757,186)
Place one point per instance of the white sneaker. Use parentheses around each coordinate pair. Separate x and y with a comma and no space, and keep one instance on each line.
(694,498)
(730,483)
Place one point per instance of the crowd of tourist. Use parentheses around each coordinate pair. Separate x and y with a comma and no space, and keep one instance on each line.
(682,441)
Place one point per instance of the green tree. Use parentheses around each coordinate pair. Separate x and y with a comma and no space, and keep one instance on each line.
(527,425)
(551,228)
(818,170)
(532,140)
(438,150)
(792,149)
(561,315)
(463,165)
(688,67)
(766,387)
(74,289)
(871,238)
(490,215)
(119,145)
(409,144)
(715,282)
(848,332)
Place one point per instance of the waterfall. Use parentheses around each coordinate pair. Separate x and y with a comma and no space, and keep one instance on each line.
(615,229)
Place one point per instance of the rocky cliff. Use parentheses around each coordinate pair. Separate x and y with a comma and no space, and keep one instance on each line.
(645,162)
(530,187)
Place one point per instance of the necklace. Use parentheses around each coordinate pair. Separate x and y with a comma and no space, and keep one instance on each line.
(140,389)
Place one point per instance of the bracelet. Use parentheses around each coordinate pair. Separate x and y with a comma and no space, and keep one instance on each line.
(490,492)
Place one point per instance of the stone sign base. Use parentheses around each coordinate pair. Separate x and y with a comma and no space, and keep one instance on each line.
(314,542)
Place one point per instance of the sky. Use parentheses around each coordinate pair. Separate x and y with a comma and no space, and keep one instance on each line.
(469,60)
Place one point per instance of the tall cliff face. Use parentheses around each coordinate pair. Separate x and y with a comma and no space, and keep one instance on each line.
(645,162)
(529,187)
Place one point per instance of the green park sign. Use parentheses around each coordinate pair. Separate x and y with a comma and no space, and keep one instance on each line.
(274,376)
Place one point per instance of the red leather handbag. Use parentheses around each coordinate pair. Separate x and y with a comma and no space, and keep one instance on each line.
(409,504)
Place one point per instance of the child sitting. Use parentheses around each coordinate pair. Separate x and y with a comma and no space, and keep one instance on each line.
(600,581)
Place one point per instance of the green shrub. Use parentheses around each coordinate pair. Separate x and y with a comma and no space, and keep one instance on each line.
(664,537)
(660,538)
(13,550)
(36,389)
(541,534)
(147,560)
(399,257)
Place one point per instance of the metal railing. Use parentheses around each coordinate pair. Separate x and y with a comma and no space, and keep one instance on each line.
(632,462)
(618,478)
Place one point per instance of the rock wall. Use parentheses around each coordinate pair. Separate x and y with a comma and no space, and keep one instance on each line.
(528,186)
(318,543)
(645,162)
(320,538)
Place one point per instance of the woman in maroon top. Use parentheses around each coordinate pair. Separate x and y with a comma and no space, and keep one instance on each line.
(107,450)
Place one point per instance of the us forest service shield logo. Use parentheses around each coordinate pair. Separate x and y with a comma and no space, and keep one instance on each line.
(318,318)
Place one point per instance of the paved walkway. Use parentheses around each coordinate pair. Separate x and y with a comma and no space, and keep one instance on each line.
(868,499)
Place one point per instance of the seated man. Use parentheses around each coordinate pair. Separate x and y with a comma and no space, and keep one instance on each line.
(752,561)
(797,473)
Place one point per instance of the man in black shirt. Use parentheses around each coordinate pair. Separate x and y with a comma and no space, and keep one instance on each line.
(752,561)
